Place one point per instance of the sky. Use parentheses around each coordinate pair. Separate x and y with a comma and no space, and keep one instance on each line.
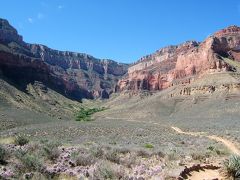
(122,30)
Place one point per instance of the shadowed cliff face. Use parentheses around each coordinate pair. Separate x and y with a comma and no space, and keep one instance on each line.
(74,75)
(184,63)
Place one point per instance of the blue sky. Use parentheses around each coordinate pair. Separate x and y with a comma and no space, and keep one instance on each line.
(123,30)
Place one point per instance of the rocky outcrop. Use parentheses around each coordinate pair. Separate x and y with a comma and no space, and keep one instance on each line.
(75,75)
(8,33)
(183,63)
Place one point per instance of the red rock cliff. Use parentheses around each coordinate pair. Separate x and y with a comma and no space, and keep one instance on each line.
(182,63)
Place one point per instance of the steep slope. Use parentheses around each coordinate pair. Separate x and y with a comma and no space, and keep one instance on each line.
(75,75)
(185,63)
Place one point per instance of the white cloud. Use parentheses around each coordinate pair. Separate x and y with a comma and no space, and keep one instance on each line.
(60,7)
(40,16)
(30,20)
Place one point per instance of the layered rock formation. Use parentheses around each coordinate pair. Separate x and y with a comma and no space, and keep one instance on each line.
(8,33)
(75,75)
(184,63)
(78,75)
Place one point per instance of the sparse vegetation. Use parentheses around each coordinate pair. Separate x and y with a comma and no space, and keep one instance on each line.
(143,153)
(215,151)
(29,161)
(3,155)
(233,63)
(21,140)
(129,160)
(85,160)
(198,156)
(84,114)
(97,151)
(113,156)
(210,148)
(50,150)
(232,166)
(108,170)
(173,155)
(148,146)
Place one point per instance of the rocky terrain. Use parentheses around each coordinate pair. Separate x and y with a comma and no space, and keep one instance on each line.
(75,75)
(172,114)
(184,63)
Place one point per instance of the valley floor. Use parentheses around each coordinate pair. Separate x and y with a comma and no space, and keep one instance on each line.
(185,130)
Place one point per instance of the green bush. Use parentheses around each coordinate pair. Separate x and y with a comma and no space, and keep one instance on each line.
(232,166)
(149,146)
(85,114)
(21,140)
(3,155)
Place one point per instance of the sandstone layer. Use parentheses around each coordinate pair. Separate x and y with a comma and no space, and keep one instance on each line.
(184,63)
(75,75)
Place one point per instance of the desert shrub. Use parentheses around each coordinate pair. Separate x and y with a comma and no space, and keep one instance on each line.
(210,148)
(123,150)
(159,153)
(220,152)
(21,140)
(198,156)
(143,153)
(113,156)
(97,151)
(36,176)
(30,162)
(148,146)
(113,142)
(108,170)
(50,150)
(215,151)
(85,114)
(173,155)
(129,160)
(19,153)
(232,166)
(85,160)
(3,155)
(33,147)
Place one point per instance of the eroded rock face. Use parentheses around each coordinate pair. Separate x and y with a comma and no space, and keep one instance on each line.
(183,63)
(75,75)
(8,33)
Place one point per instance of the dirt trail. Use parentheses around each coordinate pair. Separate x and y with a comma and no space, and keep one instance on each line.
(205,174)
(225,142)
(208,174)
